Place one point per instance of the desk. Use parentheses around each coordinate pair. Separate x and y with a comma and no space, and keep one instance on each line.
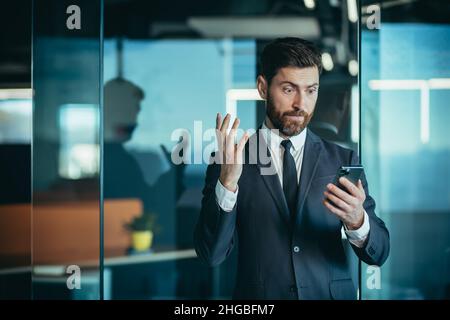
(119,260)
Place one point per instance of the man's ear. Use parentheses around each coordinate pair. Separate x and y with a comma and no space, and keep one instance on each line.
(261,85)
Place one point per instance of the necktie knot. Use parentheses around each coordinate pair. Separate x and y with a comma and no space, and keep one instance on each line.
(287,144)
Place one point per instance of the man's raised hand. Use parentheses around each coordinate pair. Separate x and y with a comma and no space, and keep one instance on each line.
(231,154)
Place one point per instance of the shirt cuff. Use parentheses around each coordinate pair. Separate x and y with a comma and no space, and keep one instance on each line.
(359,236)
(225,198)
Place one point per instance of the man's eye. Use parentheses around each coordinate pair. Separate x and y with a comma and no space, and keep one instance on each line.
(288,90)
(311,91)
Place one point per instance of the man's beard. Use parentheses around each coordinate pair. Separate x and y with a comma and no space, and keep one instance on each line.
(287,126)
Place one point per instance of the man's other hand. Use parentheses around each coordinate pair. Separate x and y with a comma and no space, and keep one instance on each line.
(347,204)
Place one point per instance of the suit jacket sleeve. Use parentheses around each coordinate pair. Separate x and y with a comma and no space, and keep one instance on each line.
(214,234)
(376,248)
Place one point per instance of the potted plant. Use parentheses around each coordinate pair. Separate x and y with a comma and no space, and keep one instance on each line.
(141,228)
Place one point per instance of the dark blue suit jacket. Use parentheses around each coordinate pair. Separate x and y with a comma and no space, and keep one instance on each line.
(270,266)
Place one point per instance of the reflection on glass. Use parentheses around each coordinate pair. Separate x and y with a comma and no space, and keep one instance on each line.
(405,148)
(79,153)
(15,193)
(154,91)
(334,111)
(143,111)
(15,117)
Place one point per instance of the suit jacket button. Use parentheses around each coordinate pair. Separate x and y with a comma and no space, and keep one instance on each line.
(296,249)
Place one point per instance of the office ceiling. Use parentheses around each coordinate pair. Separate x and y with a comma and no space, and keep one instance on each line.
(173,19)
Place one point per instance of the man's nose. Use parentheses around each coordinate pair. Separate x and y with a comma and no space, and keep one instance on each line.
(298,101)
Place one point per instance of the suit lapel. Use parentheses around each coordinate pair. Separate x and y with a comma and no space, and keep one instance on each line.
(269,176)
(311,155)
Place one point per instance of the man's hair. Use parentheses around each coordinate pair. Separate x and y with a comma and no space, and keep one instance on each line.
(289,52)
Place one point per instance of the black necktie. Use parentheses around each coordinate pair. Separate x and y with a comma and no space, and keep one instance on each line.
(290,183)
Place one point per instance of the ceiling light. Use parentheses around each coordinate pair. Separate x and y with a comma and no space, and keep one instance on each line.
(310,4)
(327,61)
(353,67)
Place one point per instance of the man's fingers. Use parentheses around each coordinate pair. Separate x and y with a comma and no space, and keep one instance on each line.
(220,140)
(235,124)
(230,143)
(360,186)
(219,137)
(221,128)
(338,202)
(242,143)
(356,190)
(362,191)
(225,124)
(226,143)
(218,120)
(341,194)
(233,153)
(333,209)
(350,186)
(231,136)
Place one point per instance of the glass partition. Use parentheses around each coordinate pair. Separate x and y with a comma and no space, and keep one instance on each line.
(405,88)
(66,247)
(149,105)
(15,194)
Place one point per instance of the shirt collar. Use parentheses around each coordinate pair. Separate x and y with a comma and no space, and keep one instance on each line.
(297,141)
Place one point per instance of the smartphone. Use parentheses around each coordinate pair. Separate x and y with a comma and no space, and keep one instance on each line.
(352,173)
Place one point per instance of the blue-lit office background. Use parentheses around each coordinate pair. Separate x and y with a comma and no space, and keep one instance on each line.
(158,71)
(405,148)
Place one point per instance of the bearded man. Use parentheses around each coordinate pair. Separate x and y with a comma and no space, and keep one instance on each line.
(287,222)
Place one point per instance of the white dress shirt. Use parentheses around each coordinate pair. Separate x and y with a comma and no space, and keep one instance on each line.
(227,199)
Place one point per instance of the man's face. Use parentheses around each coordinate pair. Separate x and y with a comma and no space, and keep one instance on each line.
(291,99)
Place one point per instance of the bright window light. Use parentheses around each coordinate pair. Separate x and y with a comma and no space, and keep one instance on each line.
(7,94)
(79,151)
(15,121)
(234,95)
(424,86)
(442,83)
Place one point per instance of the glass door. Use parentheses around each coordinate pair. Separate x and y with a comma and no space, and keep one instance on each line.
(66,149)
